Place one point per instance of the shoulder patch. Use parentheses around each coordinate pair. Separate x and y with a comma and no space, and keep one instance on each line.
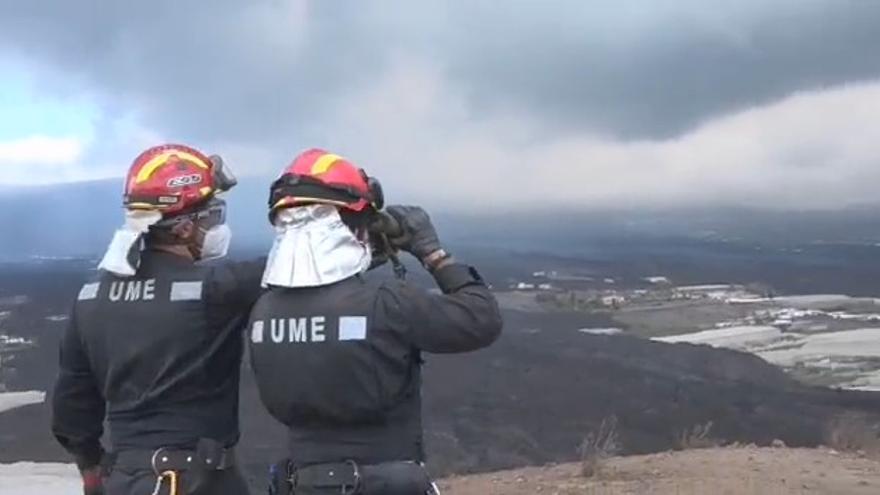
(257,332)
(352,328)
(186,291)
(89,291)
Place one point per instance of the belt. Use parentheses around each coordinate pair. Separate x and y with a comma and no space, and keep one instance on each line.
(348,478)
(167,463)
(166,459)
(343,476)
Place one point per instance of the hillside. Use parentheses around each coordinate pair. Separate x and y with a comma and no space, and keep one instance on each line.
(733,471)
(722,471)
(530,399)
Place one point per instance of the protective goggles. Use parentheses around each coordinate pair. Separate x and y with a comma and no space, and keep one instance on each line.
(210,214)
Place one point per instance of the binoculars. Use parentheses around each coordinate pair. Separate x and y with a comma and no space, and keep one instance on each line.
(385,224)
(385,232)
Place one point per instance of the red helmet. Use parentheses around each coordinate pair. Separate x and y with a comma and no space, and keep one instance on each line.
(171,178)
(316,176)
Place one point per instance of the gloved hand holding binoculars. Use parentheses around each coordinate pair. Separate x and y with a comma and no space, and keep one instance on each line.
(409,229)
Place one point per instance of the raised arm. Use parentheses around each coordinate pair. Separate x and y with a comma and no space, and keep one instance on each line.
(463,318)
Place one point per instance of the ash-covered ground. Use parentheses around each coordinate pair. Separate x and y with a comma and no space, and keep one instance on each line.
(535,395)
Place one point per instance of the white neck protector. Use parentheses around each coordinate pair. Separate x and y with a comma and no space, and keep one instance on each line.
(313,247)
(123,256)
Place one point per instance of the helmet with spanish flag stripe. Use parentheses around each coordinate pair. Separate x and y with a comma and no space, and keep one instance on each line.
(172,178)
(319,177)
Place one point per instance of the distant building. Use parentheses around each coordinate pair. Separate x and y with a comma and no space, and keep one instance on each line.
(657,280)
(613,301)
(705,288)
(601,331)
(545,286)
(525,286)
(6,339)
(782,323)
(746,300)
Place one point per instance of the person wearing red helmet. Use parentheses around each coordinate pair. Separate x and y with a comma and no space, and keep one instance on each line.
(337,354)
(153,343)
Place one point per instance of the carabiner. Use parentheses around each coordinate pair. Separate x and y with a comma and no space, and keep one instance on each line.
(172,484)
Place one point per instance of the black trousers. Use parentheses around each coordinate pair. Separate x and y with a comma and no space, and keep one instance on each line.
(396,479)
(123,481)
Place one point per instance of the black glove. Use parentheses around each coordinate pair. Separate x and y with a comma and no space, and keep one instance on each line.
(419,237)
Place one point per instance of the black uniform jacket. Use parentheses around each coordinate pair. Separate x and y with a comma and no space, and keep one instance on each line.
(340,365)
(158,354)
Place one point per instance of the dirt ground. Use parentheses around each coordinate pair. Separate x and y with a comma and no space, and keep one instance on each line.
(733,471)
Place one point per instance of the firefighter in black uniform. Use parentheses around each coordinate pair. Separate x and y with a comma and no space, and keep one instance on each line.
(337,355)
(154,341)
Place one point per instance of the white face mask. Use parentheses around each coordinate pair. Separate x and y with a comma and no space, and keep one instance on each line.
(313,247)
(216,242)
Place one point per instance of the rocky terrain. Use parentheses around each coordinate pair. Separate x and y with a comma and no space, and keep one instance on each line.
(534,397)
(531,399)
(727,471)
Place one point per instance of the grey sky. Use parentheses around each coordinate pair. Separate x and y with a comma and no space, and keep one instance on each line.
(262,79)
